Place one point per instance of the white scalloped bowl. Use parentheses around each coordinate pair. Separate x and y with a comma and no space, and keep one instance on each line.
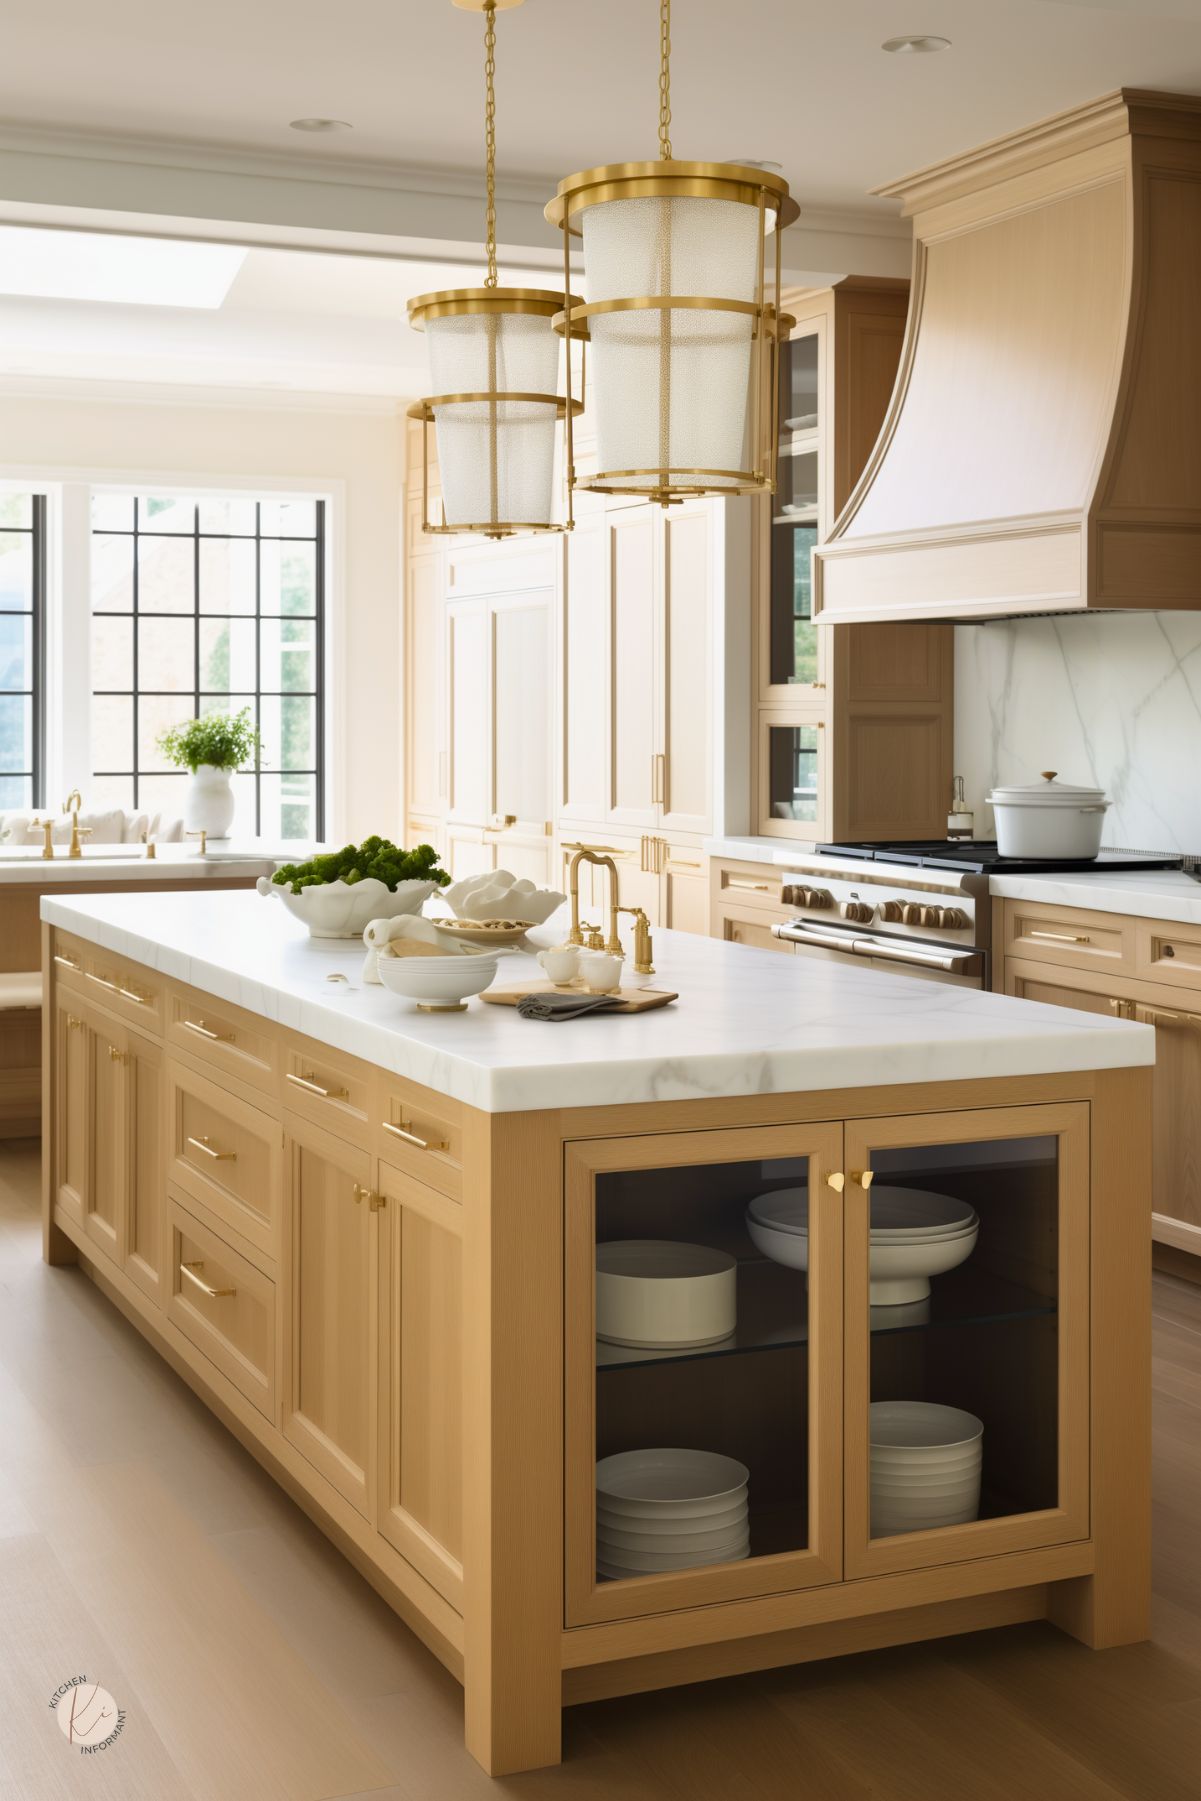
(437,984)
(345,910)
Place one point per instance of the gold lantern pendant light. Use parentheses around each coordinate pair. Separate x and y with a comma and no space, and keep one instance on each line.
(683,325)
(494,366)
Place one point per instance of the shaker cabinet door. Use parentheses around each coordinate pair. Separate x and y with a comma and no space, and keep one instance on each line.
(633,674)
(104,1207)
(71,1104)
(331,1317)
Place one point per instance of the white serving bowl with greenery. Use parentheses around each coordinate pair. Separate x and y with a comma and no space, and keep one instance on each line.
(337,894)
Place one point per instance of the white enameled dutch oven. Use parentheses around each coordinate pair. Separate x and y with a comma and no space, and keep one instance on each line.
(1049,819)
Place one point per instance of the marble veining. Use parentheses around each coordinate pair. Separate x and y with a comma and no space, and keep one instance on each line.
(1113,700)
(747,1022)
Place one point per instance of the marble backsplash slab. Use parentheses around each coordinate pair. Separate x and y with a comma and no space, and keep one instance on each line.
(1113,700)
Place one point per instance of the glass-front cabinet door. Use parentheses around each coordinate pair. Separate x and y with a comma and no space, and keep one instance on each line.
(967,1364)
(793,775)
(795,521)
(703,1367)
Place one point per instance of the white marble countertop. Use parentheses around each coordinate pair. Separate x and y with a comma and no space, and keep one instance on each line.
(1150,894)
(24,864)
(747,1021)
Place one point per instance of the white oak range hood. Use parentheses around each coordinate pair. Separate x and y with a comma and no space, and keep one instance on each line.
(1042,450)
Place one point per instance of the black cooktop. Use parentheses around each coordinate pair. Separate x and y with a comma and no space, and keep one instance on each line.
(980,856)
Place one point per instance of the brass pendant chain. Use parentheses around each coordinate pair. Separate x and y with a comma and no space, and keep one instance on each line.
(490,138)
(665,80)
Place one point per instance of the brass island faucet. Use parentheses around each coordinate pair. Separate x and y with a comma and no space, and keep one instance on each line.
(589,853)
(74,806)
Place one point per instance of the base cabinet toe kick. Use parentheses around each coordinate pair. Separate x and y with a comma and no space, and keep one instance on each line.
(613,1398)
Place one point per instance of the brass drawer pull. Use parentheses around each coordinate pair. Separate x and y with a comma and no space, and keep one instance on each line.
(198,1025)
(214,1294)
(679,863)
(748,887)
(116,1056)
(422,1144)
(202,1144)
(1062,937)
(102,981)
(374,1201)
(312,1087)
(131,994)
(68,963)
(1190,1021)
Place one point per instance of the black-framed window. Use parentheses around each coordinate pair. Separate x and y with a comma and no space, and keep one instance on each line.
(206,605)
(22,649)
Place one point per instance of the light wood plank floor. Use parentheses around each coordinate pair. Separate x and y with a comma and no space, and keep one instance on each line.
(140,1546)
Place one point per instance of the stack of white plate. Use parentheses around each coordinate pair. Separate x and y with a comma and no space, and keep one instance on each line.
(653,1292)
(925,1466)
(914,1235)
(666,1509)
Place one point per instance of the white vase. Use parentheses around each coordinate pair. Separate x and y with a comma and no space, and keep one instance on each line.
(209,801)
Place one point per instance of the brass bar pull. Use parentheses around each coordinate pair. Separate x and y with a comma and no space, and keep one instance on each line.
(1155,1016)
(214,1294)
(1062,937)
(116,1056)
(863,1177)
(198,1025)
(103,982)
(749,887)
(68,962)
(679,863)
(202,1144)
(312,1087)
(659,778)
(423,1144)
(131,994)
(836,1180)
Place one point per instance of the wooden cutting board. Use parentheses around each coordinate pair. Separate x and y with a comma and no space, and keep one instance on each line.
(633,1000)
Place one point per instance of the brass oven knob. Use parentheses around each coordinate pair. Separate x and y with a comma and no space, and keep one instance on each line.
(954,919)
(858,911)
(893,911)
(819,897)
(913,914)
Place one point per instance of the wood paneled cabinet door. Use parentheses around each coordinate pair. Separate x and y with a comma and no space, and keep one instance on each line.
(421,1378)
(757,1390)
(522,709)
(1176,1161)
(71,1104)
(145,1246)
(104,1203)
(967,1360)
(330,1254)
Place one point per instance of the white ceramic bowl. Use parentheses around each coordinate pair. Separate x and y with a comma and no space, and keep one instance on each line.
(671,1544)
(896,1213)
(899,1272)
(649,1563)
(498,894)
(921,1426)
(888,1520)
(669,1478)
(345,910)
(672,1525)
(650,1291)
(437,984)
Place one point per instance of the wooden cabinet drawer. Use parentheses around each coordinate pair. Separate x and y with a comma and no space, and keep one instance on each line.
(232,1043)
(329,1088)
(1069,936)
(129,989)
(223,1305)
(1168,953)
(70,960)
(225,1154)
(421,1133)
(755,885)
(735,926)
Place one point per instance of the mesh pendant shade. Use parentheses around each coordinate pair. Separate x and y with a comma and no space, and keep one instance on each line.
(683,332)
(494,364)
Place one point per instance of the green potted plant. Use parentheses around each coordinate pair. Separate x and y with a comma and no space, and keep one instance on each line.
(210,749)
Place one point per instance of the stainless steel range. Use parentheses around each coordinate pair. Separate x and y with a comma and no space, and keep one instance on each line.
(923,909)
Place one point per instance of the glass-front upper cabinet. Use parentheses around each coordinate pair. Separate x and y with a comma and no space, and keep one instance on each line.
(797,515)
(704,1327)
(967,1335)
(792,766)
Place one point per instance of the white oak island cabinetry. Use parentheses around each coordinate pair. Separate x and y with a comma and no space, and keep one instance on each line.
(368,1238)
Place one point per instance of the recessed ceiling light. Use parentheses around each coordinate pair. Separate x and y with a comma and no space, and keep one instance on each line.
(320,125)
(919,45)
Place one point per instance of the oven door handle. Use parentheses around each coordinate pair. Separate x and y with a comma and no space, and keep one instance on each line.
(830,941)
(916,956)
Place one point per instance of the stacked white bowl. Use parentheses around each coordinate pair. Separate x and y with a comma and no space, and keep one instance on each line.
(925,1466)
(665,1509)
(914,1235)
(654,1292)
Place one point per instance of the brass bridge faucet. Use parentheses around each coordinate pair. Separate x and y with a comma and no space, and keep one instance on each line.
(585,853)
(74,806)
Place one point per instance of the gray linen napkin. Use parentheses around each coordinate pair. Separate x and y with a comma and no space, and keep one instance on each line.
(564,1006)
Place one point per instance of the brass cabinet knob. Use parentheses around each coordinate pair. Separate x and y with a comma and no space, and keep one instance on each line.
(820,897)
(858,911)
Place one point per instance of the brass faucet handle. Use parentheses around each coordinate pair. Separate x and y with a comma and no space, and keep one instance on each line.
(151,846)
(46,826)
(77,832)
(203,837)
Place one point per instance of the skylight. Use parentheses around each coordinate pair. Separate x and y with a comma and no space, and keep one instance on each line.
(84,265)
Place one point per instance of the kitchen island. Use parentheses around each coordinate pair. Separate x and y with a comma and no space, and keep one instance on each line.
(368,1238)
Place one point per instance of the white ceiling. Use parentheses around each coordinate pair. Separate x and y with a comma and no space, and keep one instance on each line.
(803,85)
(292,320)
